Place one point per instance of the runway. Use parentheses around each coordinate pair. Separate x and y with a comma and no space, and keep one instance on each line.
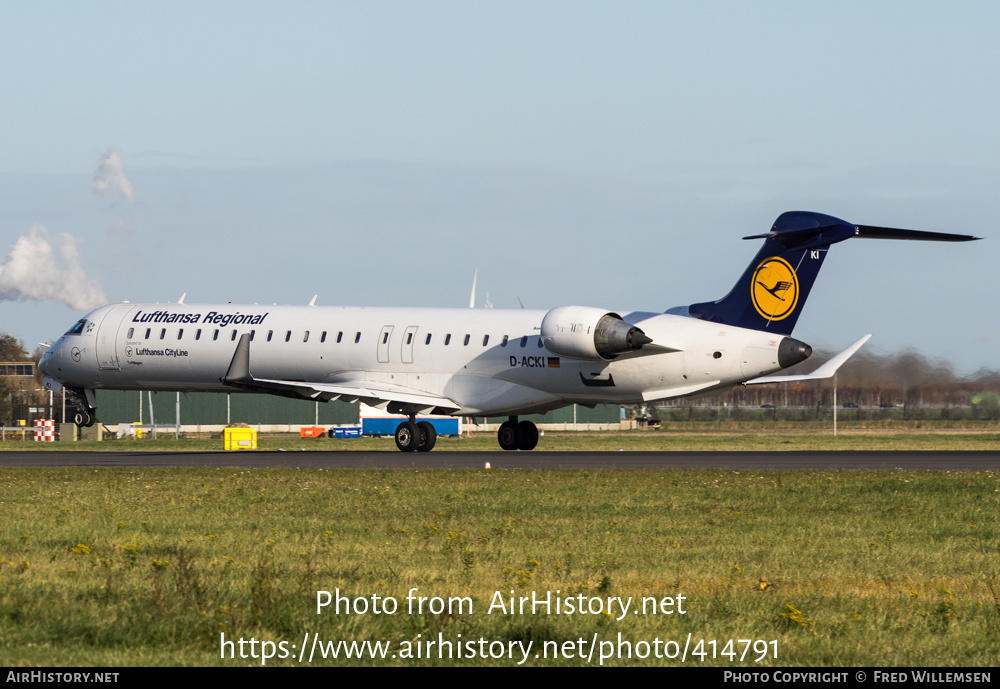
(591,461)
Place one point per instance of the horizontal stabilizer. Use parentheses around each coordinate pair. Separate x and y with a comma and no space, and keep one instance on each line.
(825,371)
(872,232)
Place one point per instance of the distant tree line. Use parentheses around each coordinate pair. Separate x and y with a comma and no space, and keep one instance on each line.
(908,380)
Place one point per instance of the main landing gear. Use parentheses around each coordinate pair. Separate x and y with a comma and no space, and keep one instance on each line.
(420,436)
(413,435)
(514,435)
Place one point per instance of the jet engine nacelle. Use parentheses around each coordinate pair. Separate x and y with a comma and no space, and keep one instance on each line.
(585,332)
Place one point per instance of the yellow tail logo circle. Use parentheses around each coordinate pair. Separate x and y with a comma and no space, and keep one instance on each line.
(774,288)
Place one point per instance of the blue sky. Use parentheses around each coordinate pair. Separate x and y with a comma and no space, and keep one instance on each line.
(608,154)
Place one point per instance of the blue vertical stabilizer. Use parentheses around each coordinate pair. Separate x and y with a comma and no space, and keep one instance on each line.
(773,289)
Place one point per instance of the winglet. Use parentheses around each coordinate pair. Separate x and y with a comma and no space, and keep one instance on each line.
(827,370)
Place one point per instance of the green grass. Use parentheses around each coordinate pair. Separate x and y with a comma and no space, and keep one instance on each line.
(150,566)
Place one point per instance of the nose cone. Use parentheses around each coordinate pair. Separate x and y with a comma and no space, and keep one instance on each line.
(792,351)
(45,364)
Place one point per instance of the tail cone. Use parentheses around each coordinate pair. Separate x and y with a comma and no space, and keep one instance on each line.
(792,351)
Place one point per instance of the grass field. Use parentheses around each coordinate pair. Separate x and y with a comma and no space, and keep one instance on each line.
(150,566)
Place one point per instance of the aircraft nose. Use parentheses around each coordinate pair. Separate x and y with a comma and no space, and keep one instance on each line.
(49,363)
(792,351)
(45,363)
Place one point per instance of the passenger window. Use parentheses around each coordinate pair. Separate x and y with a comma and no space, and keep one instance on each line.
(524,341)
(147,333)
(428,340)
(539,341)
(409,338)
(130,331)
(466,343)
(340,336)
(269,334)
(447,339)
(215,335)
(288,336)
(233,336)
(385,337)
(252,334)
(305,337)
(163,333)
(486,339)
(197,334)
(357,338)
(322,338)
(180,333)
(503,342)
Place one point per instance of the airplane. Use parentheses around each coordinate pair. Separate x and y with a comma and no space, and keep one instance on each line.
(468,362)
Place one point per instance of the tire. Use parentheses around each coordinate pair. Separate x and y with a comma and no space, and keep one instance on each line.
(509,435)
(406,436)
(528,435)
(83,418)
(426,436)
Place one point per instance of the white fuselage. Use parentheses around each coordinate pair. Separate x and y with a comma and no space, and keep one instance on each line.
(487,361)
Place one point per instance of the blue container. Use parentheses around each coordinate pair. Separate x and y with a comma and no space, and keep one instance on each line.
(387,426)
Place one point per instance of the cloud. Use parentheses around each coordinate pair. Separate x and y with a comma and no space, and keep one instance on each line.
(110,176)
(39,270)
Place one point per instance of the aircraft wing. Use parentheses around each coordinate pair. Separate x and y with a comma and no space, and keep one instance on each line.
(825,371)
(395,401)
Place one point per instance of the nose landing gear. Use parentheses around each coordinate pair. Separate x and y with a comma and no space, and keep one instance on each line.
(85,418)
(86,408)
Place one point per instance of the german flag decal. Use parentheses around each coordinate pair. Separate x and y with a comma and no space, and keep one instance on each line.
(553,362)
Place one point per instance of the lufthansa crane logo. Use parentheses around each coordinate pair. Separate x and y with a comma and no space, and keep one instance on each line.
(774,288)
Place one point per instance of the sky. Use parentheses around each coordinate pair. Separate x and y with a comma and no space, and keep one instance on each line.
(595,153)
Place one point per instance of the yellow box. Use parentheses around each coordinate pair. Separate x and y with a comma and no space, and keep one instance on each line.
(240,438)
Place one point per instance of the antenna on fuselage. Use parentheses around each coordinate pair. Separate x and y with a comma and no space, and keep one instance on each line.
(472,297)
(181,300)
(312,302)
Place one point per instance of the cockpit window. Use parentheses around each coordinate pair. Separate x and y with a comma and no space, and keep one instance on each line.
(77,328)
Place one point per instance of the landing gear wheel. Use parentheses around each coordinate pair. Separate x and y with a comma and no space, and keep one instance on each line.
(528,433)
(407,436)
(83,418)
(426,436)
(509,435)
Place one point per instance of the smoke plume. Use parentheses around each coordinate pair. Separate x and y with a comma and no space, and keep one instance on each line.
(110,176)
(39,270)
